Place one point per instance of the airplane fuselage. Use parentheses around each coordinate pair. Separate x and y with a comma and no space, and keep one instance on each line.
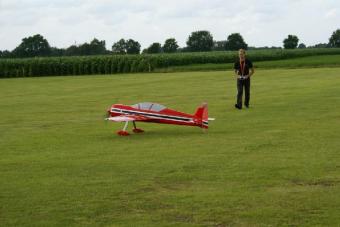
(165,116)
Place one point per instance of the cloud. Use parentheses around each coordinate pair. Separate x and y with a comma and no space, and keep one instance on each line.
(332,13)
(261,22)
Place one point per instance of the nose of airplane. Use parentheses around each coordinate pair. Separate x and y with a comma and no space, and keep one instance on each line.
(107,113)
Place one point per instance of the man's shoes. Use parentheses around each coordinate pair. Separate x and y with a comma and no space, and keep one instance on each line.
(247,106)
(238,107)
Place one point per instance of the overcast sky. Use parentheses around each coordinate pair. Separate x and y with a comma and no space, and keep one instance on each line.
(260,22)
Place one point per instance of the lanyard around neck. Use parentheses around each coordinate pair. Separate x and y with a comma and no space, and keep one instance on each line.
(242,66)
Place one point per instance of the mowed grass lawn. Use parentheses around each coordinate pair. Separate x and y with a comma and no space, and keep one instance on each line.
(275,164)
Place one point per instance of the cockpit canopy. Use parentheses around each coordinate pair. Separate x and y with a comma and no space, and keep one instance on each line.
(149,106)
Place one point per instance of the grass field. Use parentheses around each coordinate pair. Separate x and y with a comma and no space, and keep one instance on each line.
(275,164)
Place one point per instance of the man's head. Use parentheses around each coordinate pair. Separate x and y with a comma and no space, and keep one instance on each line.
(242,54)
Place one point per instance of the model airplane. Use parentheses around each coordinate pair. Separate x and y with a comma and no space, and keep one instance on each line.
(155,113)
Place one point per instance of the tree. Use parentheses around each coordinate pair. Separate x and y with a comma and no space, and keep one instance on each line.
(119,47)
(183,49)
(302,46)
(33,46)
(72,51)
(97,47)
(334,40)
(219,45)
(5,54)
(200,41)
(85,49)
(170,45)
(57,52)
(132,47)
(154,48)
(320,45)
(235,42)
(126,47)
(290,42)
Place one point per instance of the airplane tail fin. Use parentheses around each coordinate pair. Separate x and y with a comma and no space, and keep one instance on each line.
(202,115)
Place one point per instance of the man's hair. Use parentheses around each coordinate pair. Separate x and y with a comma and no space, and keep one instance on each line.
(242,50)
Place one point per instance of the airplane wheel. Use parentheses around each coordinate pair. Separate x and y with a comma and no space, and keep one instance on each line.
(138,130)
(123,133)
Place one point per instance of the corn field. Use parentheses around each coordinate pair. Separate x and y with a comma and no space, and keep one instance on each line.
(112,64)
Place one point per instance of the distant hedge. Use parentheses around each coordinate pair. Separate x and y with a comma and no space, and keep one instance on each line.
(111,64)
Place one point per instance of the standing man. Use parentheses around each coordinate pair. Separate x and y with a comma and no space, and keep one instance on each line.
(243,71)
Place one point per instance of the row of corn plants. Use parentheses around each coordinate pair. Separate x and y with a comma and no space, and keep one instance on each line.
(73,66)
(111,64)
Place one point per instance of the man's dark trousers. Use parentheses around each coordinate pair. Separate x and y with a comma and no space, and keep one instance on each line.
(240,84)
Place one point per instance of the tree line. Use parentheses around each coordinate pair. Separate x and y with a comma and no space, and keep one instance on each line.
(198,41)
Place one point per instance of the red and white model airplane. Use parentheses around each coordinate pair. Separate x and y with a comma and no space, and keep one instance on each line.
(156,113)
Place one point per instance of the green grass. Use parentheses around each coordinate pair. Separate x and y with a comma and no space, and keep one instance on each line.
(275,164)
(301,62)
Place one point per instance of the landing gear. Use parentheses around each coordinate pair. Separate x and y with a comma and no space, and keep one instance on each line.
(125,133)
(135,129)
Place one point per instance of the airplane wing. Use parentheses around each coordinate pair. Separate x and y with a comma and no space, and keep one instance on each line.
(126,118)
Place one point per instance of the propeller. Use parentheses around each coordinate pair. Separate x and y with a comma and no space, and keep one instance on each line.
(107,115)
